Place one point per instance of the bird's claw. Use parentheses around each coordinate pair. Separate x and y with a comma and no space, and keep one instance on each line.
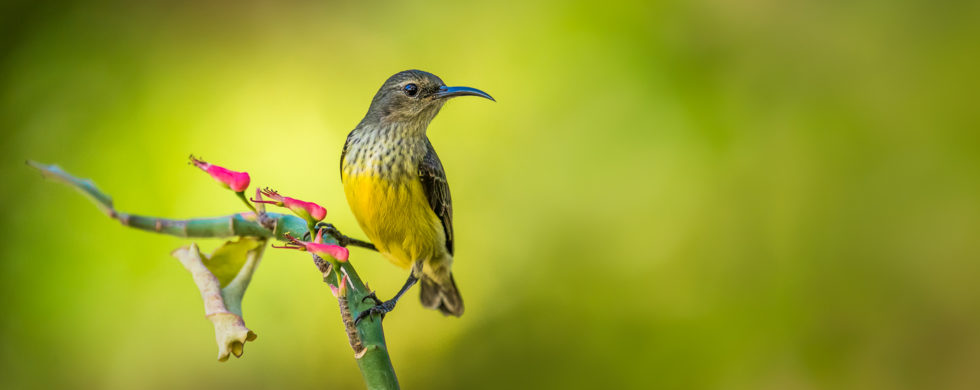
(328,228)
(381,308)
(373,297)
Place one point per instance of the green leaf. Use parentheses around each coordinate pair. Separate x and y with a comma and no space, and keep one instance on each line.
(226,262)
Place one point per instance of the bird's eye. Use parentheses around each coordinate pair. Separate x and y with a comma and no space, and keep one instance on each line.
(411,89)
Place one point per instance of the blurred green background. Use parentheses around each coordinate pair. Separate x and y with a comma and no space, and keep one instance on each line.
(668,194)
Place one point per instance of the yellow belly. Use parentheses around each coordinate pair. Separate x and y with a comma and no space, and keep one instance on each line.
(396,218)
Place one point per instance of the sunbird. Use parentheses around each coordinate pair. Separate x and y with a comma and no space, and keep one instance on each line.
(397,188)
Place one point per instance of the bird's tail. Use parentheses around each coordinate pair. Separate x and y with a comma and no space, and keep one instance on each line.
(442,295)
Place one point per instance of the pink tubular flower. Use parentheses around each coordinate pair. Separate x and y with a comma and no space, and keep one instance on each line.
(307,210)
(236,181)
(317,247)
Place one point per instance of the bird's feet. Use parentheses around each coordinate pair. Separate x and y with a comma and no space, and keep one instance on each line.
(372,297)
(328,228)
(380,307)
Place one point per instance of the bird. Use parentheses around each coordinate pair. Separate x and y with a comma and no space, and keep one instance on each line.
(397,189)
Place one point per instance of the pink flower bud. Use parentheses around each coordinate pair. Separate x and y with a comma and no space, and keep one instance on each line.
(336,251)
(307,210)
(339,291)
(299,207)
(323,250)
(236,181)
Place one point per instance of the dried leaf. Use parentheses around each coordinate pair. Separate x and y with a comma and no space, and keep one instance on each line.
(222,279)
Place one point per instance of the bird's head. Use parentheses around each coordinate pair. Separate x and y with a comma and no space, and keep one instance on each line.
(415,96)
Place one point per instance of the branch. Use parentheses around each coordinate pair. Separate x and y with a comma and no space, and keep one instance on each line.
(367,338)
(240,224)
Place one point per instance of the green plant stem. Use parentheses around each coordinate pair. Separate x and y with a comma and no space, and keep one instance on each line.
(371,351)
(374,362)
(241,195)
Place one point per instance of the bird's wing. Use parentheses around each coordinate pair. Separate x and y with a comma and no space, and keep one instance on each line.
(436,188)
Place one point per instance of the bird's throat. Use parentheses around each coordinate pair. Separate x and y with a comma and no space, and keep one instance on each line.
(391,151)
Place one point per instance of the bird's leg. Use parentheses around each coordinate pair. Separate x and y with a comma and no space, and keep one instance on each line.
(386,306)
(343,240)
(389,305)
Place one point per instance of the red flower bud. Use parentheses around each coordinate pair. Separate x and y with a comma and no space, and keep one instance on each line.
(323,250)
(307,210)
(236,181)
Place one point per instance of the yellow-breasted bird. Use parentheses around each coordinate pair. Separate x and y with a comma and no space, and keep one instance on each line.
(397,188)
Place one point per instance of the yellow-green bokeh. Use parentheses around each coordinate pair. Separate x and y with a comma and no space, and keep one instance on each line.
(668,194)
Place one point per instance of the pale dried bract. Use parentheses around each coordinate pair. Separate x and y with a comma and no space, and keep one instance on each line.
(229,327)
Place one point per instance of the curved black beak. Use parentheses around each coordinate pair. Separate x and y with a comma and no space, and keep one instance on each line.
(450,92)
